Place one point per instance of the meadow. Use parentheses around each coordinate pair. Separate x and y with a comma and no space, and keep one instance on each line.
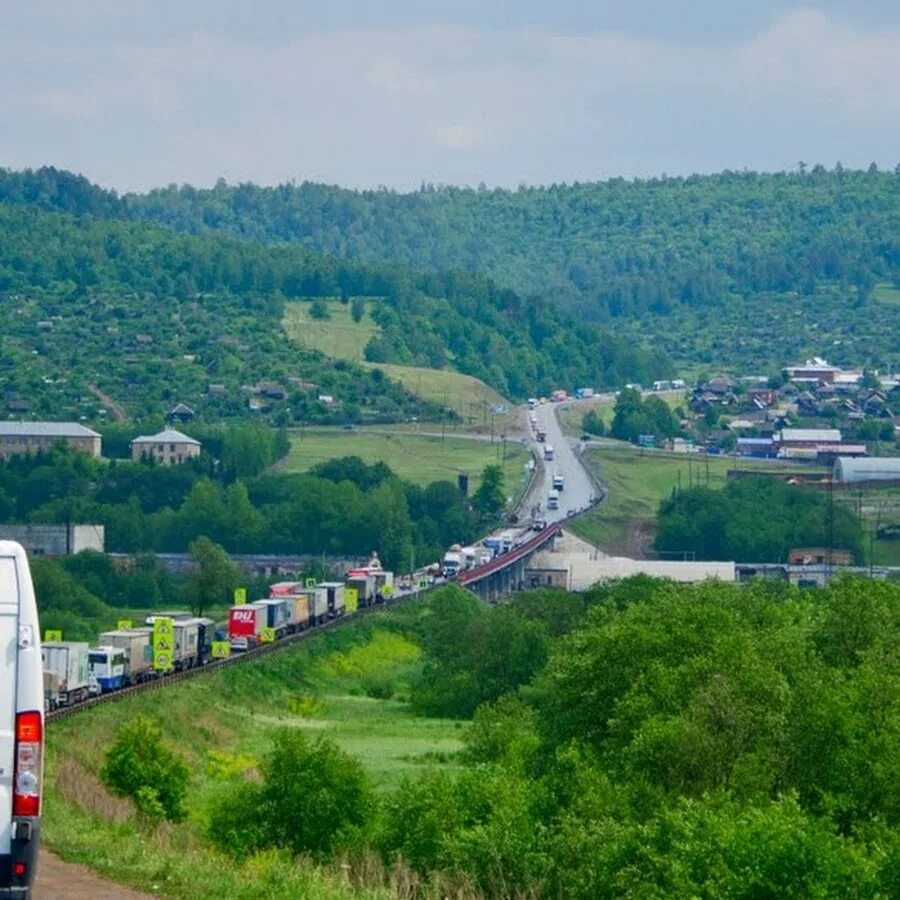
(350,685)
(421,458)
(637,480)
(338,336)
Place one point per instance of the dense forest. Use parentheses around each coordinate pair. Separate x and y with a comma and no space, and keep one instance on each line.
(180,312)
(664,257)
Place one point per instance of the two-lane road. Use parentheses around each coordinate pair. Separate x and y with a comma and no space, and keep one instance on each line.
(578,491)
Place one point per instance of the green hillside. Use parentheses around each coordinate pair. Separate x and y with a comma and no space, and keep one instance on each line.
(737,268)
(177,313)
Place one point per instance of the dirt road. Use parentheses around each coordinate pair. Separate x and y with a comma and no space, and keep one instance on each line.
(58,880)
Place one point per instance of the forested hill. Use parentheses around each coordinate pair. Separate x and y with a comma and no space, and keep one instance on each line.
(148,316)
(733,269)
(615,248)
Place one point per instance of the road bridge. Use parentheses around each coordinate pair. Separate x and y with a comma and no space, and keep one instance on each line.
(506,573)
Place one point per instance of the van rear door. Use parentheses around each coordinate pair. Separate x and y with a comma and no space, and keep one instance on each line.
(21,723)
(9,655)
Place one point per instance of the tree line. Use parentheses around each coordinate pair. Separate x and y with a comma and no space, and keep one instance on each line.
(756,519)
(341,507)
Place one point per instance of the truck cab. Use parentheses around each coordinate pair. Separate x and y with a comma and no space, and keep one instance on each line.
(451,564)
(21,724)
(107,668)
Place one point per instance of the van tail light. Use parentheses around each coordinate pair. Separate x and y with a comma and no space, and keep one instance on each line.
(28,757)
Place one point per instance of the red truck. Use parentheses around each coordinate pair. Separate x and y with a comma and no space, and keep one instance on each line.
(245,624)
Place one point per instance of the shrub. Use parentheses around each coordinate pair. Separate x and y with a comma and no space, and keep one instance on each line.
(313,798)
(140,766)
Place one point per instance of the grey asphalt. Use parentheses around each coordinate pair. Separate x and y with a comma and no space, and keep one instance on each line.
(579,491)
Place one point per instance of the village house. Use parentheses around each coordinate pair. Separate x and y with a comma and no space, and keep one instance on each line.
(167,448)
(181,412)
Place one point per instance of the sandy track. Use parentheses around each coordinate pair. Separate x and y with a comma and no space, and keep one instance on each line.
(58,880)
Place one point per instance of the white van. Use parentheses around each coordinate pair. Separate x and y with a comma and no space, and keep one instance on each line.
(21,724)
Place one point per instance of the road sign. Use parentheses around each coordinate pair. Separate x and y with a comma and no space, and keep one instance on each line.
(163,643)
(351,599)
(221,649)
(51,635)
(423,584)
(310,582)
(240,596)
(387,591)
(267,635)
(124,624)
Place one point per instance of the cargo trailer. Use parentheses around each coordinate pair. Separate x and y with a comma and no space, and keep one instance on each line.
(277,611)
(136,643)
(335,597)
(245,624)
(68,661)
(193,642)
(365,586)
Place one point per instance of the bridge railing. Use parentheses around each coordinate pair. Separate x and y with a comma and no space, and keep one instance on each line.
(507,559)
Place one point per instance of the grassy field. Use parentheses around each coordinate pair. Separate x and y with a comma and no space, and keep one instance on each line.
(417,457)
(886,293)
(473,401)
(637,481)
(222,722)
(337,336)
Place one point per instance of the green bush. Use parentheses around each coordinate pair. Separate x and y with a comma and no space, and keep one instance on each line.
(313,798)
(140,766)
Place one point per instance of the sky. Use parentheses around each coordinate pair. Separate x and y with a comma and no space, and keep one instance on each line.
(137,94)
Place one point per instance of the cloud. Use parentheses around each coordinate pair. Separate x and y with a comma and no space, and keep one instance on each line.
(459,136)
(451,103)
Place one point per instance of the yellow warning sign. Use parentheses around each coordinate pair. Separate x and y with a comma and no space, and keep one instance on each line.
(50,635)
(267,635)
(351,599)
(124,624)
(387,591)
(163,644)
(240,596)
(221,649)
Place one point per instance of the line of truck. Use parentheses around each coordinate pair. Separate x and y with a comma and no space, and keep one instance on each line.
(75,670)
(460,559)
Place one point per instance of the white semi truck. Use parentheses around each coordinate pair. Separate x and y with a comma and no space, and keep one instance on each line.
(21,724)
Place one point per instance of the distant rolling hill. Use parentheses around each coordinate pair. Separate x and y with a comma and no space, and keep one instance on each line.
(147,317)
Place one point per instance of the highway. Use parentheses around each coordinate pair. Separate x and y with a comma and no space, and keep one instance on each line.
(579,491)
